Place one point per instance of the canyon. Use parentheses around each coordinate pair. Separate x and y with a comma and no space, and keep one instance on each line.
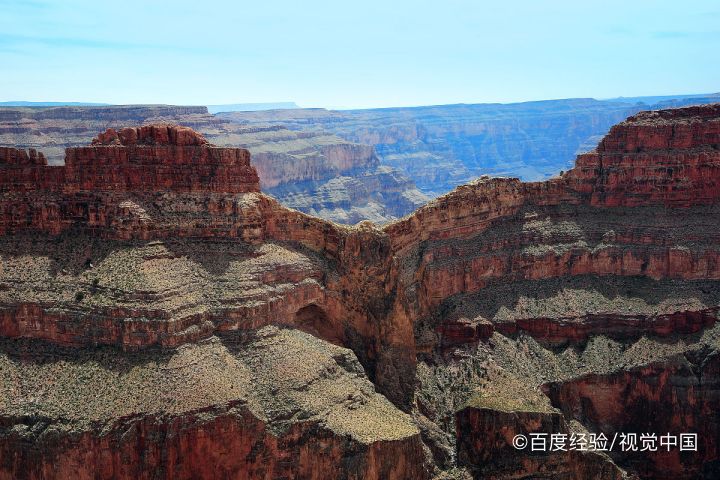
(315,172)
(353,165)
(163,317)
(442,146)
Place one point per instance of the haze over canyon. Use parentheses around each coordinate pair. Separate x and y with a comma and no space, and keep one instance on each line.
(355,165)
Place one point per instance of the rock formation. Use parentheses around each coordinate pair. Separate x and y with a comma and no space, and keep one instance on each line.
(158,313)
(316,173)
(442,146)
(323,175)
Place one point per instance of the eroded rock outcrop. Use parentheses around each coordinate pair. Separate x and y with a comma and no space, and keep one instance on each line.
(164,183)
(503,229)
(623,246)
(155,246)
(674,396)
(276,403)
(152,237)
(314,172)
(486,447)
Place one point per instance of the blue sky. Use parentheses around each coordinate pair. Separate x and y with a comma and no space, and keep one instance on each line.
(355,54)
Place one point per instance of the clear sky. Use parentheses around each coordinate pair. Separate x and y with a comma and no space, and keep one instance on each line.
(364,53)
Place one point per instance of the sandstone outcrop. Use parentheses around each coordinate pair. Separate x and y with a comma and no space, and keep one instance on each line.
(485,446)
(314,172)
(503,229)
(279,404)
(621,247)
(151,262)
(161,182)
(636,400)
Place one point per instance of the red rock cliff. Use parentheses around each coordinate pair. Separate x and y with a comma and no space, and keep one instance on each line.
(134,244)
(497,229)
(168,182)
(668,156)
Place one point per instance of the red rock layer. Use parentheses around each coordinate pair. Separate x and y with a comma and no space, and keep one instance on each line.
(680,395)
(164,182)
(463,331)
(219,442)
(485,446)
(22,171)
(668,159)
(561,331)
(669,156)
(151,158)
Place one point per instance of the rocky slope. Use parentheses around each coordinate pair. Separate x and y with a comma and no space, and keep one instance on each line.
(441,147)
(152,239)
(161,316)
(318,173)
(598,288)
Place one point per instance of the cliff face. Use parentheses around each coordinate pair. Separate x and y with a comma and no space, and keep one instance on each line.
(279,404)
(486,447)
(162,182)
(323,175)
(635,401)
(505,230)
(441,147)
(655,157)
(316,173)
(149,238)
(155,306)
(567,279)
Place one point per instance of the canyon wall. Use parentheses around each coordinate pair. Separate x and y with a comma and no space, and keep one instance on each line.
(590,264)
(502,229)
(442,146)
(315,172)
(323,175)
(150,264)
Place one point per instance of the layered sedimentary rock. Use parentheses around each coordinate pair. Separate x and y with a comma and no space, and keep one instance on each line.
(53,129)
(667,157)
(317,173)
(200,191)
(636,400)
(571,305)
(621,247)
(499,228)
(323,175)
(280,404)
(152,238)
(486,447)
(442,146)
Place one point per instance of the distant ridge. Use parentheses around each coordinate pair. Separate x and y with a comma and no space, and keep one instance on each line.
(51,104)
(251,107)
(662,98)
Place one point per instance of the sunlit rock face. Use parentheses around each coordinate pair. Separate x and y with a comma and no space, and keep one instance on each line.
(314,172)
(156,306)
(442,146)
